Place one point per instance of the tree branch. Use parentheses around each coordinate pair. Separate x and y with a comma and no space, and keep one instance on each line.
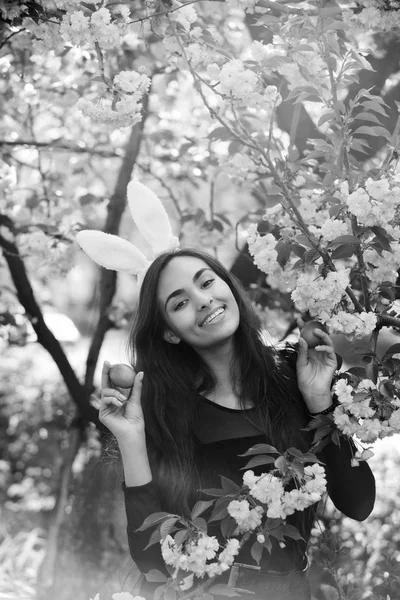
(56,146)
(45,337)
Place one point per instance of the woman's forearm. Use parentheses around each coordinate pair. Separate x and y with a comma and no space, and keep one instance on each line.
(352,489)
(135,461)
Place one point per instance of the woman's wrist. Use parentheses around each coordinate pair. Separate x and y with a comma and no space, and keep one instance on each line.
(316,405)
(323,408)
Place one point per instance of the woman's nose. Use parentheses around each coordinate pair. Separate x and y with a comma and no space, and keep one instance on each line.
(204,300)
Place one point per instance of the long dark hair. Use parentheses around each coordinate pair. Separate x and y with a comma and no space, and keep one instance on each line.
(170,393)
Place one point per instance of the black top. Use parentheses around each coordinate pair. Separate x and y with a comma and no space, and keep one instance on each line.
(223,433)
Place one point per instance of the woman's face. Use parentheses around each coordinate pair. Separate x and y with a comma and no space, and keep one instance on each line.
(189,294)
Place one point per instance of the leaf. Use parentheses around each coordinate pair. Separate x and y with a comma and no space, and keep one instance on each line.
(345,239)
(159,592)
(368,117)
(360,146)
(343,251)
(295,452)
(257,461)
(155,576)
(170,594)
(180,536)
(201,524)
(277,534)
(220,133)
(375,131)
(330,11)
(214,492)
(376,106)
(267,20)
(311,255)
(200,507)
(223,218)
(90,7)
(223,589)
(394,349)
(337,25)
(228,485)
(298,250)
(291,531)
(228,526)
(326,117)
(167,526)
(220,510)
(259,449)
(283,249)
(268,544)
(154,538)
(257,551)
(153,520)
(358,371)
(372,371)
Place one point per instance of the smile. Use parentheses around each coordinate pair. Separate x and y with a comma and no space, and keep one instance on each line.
(217,315)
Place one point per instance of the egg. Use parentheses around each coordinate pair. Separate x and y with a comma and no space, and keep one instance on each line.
(308,333)
(122,375)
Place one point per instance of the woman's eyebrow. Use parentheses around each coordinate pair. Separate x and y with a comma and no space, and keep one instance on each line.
(181,290)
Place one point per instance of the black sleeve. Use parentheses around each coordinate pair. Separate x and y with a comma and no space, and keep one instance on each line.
(351,489)
(140,502)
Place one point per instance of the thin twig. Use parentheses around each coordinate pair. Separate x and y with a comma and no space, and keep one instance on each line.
(55,146)
(10,36)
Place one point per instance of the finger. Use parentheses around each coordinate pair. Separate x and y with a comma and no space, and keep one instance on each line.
(137,386)
(112,393)
(302,356)
(300,323)
(136,393)
(326,337)
(109,400)
(105,380)
(322,348)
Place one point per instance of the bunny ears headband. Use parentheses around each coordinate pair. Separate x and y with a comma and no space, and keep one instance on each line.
(117,254)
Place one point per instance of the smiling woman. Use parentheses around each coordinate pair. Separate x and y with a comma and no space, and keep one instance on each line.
(211,389)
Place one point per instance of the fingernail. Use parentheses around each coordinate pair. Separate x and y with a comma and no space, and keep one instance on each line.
(140,375)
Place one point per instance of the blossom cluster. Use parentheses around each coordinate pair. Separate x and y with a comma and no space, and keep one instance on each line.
(101,26)
(269,490)
(375,16)
(44,257)
(201,554)
(122,109)
(358,411)
(375,202)
(196,553)
(320,295)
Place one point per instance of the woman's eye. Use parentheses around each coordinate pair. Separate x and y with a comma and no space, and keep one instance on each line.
(208,281)
(178,305)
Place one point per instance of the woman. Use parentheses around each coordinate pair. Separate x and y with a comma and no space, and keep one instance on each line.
(207,388)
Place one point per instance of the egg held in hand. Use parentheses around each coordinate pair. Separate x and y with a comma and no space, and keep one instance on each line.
(308,333)
(122,375)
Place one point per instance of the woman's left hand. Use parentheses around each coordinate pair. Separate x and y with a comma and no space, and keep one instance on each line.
(315,368)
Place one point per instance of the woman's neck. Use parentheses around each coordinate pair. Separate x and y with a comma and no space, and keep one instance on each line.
(219,360)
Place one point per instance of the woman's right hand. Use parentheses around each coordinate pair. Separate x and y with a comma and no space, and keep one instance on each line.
(123,416)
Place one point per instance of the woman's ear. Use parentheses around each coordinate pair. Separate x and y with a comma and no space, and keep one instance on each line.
(170,337)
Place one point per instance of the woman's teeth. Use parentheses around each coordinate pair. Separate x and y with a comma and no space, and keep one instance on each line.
(211,318)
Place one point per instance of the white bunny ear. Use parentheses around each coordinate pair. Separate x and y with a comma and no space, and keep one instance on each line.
(151,218)
(112,252)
